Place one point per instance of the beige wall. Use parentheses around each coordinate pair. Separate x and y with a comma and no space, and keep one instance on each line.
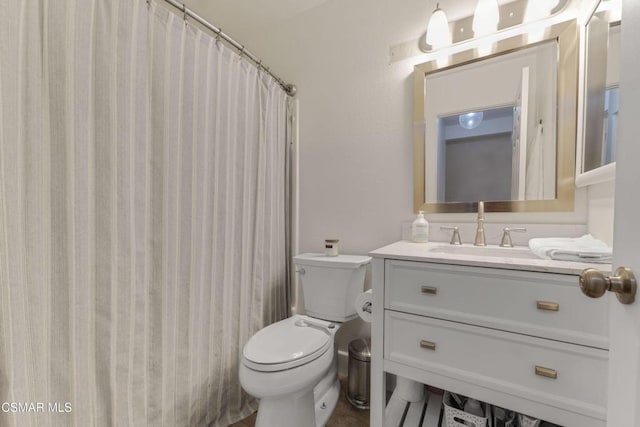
(355,126)
(355,120)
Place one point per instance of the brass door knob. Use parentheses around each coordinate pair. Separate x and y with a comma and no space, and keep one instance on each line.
(594,284)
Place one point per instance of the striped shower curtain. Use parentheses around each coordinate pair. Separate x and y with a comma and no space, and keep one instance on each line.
(142,216)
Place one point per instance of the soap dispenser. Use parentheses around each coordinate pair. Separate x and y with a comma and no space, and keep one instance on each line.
(420,229)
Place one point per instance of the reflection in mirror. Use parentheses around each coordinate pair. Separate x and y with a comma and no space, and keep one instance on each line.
(499,153)
(610,127)
(477,150)
(602,63)
(498,128)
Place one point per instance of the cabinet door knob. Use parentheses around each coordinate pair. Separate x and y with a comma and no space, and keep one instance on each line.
(594,284)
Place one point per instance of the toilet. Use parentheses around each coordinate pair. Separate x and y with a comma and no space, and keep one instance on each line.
(291,365)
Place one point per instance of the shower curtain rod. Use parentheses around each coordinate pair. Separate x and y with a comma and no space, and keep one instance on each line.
(290,89)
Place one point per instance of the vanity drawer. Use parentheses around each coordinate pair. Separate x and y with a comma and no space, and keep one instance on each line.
(502,361)
(540,304)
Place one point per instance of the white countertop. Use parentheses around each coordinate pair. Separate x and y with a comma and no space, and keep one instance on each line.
(430,252)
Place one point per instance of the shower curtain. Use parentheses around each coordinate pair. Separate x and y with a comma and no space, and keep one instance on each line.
(142,216)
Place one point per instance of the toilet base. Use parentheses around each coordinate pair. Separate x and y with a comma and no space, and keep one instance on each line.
(297,410)
(287,411)
(327,403)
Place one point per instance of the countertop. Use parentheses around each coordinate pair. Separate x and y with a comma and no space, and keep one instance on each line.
(443,253)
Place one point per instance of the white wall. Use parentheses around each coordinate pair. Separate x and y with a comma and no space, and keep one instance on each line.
(355,125)
(600,218)
(355,121)
(356,181)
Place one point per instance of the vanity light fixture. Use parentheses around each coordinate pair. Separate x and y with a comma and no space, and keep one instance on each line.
(438,34)
(471,120)
(486,18)
(482,28)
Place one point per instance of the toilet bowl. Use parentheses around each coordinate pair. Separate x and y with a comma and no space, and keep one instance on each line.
(291,365)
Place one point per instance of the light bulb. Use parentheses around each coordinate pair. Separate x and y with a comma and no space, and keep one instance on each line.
(470,120)
(438,34)
(486,18)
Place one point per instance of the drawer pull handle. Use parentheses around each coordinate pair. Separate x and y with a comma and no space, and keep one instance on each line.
(429,290)
(427,345)
(546,372)
(549,306)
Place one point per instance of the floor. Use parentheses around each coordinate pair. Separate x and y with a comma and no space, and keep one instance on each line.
(344,415)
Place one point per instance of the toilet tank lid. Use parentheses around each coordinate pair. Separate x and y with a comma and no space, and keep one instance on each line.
(340,261)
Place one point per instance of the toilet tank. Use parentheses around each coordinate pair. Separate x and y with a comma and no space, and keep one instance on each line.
(330,284)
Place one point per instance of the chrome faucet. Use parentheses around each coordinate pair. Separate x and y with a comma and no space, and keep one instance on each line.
(480,241)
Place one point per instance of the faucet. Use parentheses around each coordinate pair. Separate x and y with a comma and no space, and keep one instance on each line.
(455,237)
(506,236)
(480,241)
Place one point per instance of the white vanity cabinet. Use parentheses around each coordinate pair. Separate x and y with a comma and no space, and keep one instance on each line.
(517,334)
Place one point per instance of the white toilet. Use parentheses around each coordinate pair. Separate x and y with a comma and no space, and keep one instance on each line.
(291,365)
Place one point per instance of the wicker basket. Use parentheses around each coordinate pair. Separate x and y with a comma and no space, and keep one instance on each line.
(457,418)
(527,421)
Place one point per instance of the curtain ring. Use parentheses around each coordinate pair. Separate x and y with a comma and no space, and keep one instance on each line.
(218,34)
(184,12)
(241,53)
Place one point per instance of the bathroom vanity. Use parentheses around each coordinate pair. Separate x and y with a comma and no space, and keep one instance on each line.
(496,324)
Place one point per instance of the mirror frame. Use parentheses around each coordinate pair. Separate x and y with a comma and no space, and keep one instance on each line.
(566,34)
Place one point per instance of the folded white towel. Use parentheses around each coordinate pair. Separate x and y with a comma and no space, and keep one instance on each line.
(583,249)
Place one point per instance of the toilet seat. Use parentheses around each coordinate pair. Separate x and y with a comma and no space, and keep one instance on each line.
(287,344)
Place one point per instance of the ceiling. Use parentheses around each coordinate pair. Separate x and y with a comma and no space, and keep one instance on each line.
(260,12)
(240,18)
(244,20)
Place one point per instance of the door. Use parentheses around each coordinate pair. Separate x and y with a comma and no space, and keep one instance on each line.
(623,408)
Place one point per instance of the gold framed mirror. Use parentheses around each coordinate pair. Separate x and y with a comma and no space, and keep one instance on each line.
(441,156)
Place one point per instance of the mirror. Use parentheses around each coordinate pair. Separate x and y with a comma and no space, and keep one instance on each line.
(502,152)
(498,127)
(601,78)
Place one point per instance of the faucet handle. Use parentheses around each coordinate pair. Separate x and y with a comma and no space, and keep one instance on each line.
(455,237)
(506,236)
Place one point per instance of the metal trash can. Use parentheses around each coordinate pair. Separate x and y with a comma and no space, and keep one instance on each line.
(359,383)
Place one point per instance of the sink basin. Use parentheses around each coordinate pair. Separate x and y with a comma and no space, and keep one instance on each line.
(485,251)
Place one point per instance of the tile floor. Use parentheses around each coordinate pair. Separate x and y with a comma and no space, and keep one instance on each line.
(345,415)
